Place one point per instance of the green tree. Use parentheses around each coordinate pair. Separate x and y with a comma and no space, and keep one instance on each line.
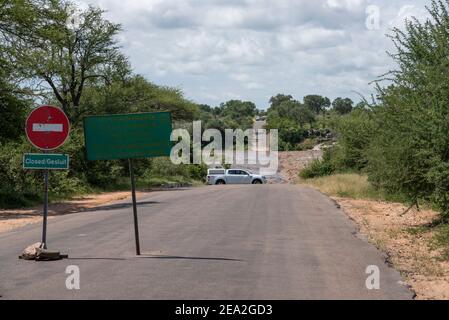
(410,151)
(44,46)
(13,110)
(355,133)
(289,117)
(239,114)
(288,109)
(136,94)
(342,106)
(237,108)
(304,115)
(13,107)
(317,104)
(294,111)
(278,99)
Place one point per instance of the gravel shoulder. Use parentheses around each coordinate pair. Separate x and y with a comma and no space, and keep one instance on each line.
(407,242)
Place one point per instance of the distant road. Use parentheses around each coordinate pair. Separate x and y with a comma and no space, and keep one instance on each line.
(218,242)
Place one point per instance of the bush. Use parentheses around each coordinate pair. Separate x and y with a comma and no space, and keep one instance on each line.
(355,132)
(308,144)
(15,180)
(25,187)
(164,167)
(198,172)
(11,200)
(163,170)
(319,168)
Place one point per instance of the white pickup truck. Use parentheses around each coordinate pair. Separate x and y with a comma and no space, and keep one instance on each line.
(233,176)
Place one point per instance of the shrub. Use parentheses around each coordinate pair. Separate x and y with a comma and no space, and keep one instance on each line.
(355,132)
(319,168)
(198,172)
(308,144)
(25,187)
(163,168)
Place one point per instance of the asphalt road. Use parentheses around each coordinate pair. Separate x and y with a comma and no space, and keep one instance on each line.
(218,242)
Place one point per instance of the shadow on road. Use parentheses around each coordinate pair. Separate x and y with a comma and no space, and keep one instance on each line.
(188,258)
(119,206)
(155,257)
(55,210)
(93,258)
(161,189)
(82,204)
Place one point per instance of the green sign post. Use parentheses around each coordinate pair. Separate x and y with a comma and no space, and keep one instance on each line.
(45,161)
(128,136)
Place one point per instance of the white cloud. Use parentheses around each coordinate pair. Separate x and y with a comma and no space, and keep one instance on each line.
(252,49)
(407,12)
(344,4)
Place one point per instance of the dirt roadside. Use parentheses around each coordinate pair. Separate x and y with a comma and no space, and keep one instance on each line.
(292,162)
(404,238)
(12,219)
(406,241)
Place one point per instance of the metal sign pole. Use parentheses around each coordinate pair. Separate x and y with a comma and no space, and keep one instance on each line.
(44,227)
(133,191)
(47,128)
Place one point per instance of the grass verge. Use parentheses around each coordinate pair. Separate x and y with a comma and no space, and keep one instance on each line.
(350,185)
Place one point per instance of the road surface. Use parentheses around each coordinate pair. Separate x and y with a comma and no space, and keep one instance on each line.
(218,242)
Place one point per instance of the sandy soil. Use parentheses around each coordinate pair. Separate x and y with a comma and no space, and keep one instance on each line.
(409,252)
(292,162)
(11,219)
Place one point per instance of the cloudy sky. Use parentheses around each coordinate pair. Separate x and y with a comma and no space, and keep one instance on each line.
(217,50)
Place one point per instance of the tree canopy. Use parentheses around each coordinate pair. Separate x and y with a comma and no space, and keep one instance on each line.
(343,106)
(57,56)
(316,103)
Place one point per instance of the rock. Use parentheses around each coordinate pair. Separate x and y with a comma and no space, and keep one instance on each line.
(38,253)
(31,252)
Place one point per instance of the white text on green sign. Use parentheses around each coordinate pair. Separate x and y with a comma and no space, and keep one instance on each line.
(43,161)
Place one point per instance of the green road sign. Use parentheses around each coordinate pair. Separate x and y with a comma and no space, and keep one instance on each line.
(42,161)
(128,136)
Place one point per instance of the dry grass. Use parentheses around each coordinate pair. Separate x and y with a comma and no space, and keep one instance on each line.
(354,186)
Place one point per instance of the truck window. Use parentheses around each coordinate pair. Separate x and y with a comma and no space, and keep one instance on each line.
(216,172)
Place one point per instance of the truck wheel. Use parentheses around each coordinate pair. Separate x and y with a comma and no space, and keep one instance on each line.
(257,182)
(220,182)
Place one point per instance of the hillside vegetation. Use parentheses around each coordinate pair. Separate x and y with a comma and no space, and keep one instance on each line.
(400,141)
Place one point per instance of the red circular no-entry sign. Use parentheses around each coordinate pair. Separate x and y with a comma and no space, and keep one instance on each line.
(47,127)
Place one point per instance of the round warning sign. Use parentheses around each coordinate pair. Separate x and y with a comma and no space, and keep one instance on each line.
(47,127)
